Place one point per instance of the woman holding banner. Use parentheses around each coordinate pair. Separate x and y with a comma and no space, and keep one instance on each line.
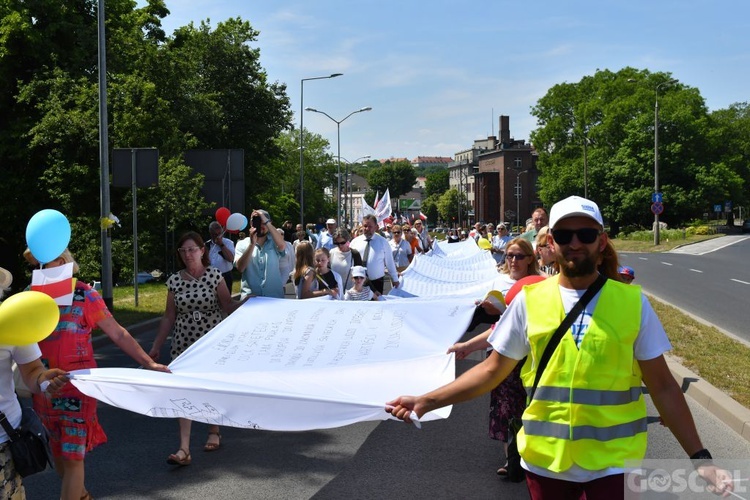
(507,400)
(197,296)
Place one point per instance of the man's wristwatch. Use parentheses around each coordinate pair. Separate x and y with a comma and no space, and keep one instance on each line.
(701,457)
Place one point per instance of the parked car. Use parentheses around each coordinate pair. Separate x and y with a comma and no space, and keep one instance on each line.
(144,277)
(746,226)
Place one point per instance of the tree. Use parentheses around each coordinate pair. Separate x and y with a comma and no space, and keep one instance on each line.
(398,177)
(450,202)
(436,183)
(613,114)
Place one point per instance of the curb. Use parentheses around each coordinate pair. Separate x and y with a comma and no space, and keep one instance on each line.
(723,407)
(135,330)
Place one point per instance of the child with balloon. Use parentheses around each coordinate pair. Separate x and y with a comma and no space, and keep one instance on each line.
(69,415)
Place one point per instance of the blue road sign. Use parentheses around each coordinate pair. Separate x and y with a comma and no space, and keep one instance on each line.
(657,208)
(656,198)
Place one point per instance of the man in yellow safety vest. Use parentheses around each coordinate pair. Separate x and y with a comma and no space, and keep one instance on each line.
(587,417)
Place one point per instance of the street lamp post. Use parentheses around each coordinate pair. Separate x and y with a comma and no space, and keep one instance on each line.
(518,198)
(301,147)
(348,188)
(656,154)
(338,140)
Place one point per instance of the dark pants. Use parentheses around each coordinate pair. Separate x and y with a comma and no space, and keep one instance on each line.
(377,285)
(228,280)
(607,488)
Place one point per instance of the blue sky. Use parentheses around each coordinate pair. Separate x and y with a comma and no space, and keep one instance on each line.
(438,74)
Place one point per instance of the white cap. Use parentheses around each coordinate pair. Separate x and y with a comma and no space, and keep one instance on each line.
(359,272)
(331,221)
(574,206)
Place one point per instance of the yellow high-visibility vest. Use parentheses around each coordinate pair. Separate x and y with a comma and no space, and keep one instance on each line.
(588,409)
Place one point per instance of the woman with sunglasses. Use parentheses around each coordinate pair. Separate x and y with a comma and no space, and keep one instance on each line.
(343,257)
(507,400)
(196,298)
(402,254)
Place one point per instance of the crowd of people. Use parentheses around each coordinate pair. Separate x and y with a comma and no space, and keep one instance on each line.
(566,251)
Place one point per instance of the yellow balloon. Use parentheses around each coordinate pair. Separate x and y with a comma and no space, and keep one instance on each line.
(27,317)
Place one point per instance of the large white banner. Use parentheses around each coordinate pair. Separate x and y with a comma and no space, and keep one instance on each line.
(455,269)
(280,364)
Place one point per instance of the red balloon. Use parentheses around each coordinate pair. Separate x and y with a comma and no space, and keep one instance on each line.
(518,285)
(222,214)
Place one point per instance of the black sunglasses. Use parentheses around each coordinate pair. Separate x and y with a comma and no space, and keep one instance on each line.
(339,243)
(586,235)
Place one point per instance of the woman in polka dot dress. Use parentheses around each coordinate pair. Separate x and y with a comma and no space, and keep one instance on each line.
(197,295)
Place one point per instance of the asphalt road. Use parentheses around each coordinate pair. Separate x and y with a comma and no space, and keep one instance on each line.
(448,459)
(710,280)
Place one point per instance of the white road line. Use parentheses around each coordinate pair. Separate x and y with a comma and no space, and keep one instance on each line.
(696,270)
(723,246)
(643,258)
(740,281)
(667,263)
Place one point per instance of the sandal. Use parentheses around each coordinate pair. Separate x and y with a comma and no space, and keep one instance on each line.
(213,446)
(174,458)
(503,471)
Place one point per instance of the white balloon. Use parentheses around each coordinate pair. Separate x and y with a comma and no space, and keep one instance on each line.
(236,222)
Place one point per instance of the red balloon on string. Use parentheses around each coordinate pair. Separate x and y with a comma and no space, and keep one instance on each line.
(518,285)
(222,214)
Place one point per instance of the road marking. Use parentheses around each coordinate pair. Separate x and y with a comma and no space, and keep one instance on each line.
(696,270)
(667,263)
(740,281)
(723,246)
(643,258)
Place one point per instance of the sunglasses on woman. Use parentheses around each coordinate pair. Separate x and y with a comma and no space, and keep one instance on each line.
(586,235)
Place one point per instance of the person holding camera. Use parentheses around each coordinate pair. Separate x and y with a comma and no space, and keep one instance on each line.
(257,258)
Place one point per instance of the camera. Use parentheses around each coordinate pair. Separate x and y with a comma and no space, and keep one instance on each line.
(256,222)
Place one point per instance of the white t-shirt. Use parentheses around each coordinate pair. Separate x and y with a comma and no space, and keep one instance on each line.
(8,401)
(509,339)
(217,259)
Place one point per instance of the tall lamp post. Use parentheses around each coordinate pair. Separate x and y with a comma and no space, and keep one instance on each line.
(301,146)
(338,140)
(348,188)
(656,153)
(518,198)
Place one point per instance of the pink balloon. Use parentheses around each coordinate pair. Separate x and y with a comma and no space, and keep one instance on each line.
(222,214)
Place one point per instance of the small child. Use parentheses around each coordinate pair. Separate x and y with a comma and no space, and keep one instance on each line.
(359,291)
(327,279)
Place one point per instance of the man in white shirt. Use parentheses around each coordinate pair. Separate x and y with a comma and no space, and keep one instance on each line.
(561,449)
(221,252)
(325,238)
(376,254)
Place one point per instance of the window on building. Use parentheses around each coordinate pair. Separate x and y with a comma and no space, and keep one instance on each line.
(519,192)
(517,163)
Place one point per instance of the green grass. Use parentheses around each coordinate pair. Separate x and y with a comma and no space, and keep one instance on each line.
(721,360)
(666,242)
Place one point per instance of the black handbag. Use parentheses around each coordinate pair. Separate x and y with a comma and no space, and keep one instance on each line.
(516,473)
(29,444)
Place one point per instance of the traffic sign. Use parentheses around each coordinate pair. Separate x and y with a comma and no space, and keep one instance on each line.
(657,208)
(657,198)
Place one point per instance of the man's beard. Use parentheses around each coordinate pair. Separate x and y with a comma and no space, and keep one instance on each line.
(579,268)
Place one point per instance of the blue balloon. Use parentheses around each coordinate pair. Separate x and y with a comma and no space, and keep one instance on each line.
(47,235)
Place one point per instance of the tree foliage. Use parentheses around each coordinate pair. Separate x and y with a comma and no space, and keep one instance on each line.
(398,177)
(202,87)
(613,113)
(437,183)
